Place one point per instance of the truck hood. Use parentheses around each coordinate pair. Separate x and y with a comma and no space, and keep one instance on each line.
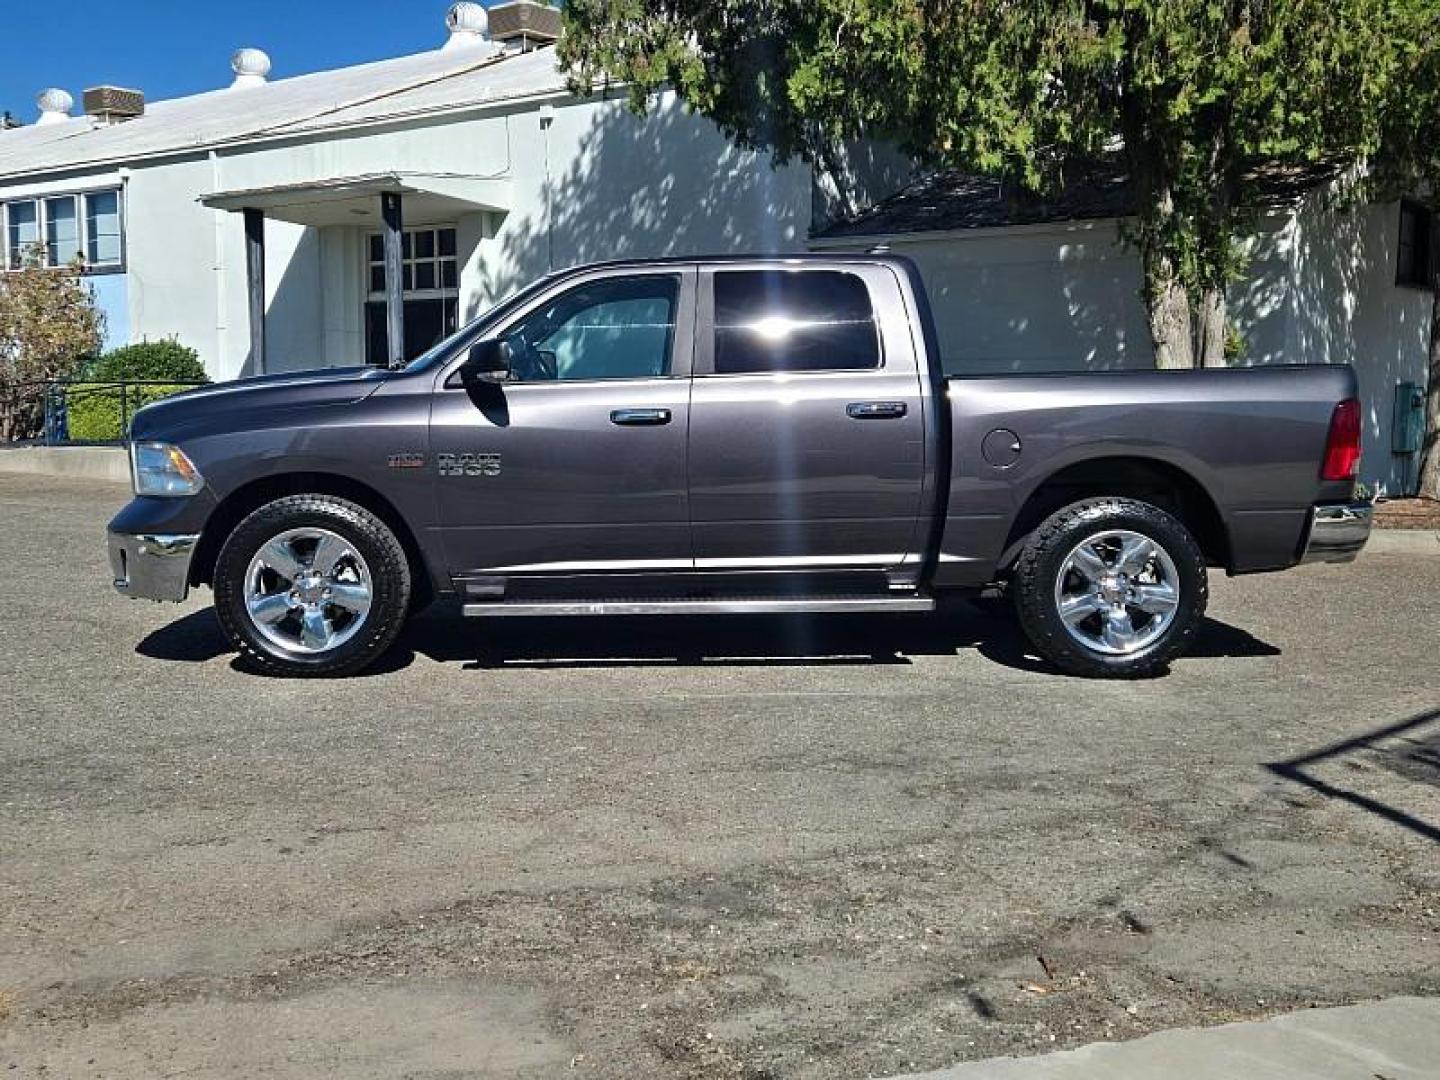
(218,406)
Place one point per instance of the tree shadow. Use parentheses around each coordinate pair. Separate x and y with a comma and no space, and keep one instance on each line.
(443,635)
(1415,758)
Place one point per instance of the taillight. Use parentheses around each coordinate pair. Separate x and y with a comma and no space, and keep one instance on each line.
(1342,445)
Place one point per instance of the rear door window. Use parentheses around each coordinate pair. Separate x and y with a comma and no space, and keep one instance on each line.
(793,320)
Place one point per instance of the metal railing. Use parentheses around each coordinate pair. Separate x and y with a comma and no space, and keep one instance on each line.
(97,412)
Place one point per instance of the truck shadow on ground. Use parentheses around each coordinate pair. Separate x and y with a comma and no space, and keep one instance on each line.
(442,635)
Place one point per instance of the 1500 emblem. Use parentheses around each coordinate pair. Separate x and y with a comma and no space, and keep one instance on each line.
(468,464)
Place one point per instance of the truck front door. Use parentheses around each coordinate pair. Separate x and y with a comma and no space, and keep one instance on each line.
(576,465)
(807,428)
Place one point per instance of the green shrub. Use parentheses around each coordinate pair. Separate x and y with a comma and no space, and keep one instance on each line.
(95,411)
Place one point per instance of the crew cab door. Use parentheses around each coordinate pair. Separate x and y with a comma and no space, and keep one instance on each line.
(807,427)
(576,464)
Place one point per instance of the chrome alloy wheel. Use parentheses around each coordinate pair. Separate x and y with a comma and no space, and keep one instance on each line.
(1117,592)
(308,590)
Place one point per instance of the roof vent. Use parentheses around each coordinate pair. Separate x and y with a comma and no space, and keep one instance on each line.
(55,105)
(113,104)
(251,67)
(522,25)
(468,25)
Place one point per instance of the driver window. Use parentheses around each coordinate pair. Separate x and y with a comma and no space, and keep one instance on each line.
(615,328)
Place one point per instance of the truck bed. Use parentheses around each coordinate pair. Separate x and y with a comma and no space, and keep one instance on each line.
(1246,440)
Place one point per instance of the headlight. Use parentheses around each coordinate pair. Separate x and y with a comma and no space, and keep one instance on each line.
(158,468)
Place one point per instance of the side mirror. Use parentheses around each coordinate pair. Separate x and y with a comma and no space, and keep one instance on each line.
(489,361)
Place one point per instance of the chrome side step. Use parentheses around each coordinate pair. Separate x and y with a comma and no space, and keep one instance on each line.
(808,605)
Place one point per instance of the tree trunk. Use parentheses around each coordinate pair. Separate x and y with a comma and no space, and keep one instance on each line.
(1166,301)
(1430,454)
(1169,312)
(1211,329)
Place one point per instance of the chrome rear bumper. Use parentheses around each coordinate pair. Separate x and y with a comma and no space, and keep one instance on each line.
(1337,532)
(152,566)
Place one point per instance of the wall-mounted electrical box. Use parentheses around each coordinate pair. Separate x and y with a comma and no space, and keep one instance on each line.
(1407,429)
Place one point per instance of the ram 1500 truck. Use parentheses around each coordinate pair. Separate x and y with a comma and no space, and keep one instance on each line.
(737,435)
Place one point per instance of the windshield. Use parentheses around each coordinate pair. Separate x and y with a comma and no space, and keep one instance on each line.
(446,348)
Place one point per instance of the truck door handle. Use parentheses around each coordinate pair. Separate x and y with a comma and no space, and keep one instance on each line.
(640,417)
(875,410)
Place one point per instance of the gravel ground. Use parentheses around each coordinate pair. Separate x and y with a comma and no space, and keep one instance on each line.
(684,848)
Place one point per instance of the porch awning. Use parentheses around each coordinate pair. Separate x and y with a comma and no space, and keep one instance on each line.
(354,200)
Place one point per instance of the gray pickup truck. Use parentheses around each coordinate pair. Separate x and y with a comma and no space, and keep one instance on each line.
(721,436)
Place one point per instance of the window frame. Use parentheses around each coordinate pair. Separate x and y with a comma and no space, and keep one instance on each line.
(118,266)
(706,329)
(682,347)
(1425,217)
(80,200)
(437,292)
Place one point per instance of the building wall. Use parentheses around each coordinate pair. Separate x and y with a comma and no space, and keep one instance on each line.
(1052,298)
(1345,308)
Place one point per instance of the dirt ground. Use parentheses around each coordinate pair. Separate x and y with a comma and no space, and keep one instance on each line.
(685,848)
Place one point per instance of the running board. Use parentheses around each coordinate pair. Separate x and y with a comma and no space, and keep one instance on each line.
(807,605)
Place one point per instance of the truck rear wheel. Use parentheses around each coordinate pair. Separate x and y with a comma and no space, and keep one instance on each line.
(312,585)
(1110,588)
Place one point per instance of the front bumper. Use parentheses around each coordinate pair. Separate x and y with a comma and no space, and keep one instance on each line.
(1337,532)
(152,566)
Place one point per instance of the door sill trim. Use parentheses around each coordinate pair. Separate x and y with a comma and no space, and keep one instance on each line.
(787,605)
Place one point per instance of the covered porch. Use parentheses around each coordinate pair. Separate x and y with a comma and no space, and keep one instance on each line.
(409,255)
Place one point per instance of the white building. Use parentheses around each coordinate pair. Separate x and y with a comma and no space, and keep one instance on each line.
(1022,285)
(499,174)
(272,195)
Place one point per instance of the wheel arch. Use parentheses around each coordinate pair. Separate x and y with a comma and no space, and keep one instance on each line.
(1153,480)
(249,497)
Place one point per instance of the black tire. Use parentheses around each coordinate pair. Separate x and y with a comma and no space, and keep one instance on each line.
(1050,546)
(371,538)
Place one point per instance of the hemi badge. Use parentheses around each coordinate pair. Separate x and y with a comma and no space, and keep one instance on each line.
(406,461)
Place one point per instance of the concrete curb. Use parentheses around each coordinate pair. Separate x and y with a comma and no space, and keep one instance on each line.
(1398,1039)
(1403,542)
(77,462)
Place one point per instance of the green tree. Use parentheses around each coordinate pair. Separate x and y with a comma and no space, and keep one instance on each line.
(1198,101)
(49,326)
(1409,161)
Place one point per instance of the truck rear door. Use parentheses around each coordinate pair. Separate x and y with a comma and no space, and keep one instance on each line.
(807,429)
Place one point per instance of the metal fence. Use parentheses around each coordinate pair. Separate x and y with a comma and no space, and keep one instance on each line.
(80,411)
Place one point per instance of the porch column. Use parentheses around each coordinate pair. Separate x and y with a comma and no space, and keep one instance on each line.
(255,284)
(394,294)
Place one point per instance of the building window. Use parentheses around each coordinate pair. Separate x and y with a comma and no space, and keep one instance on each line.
(59,229)
(102,229)
(22,233)
(429,280)
(1413,261)
(428,262)
(62,231)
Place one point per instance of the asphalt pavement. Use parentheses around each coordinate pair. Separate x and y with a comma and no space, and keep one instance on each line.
(808,848)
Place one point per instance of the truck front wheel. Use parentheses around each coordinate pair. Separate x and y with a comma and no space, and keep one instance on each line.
(1110,588)
(312,585)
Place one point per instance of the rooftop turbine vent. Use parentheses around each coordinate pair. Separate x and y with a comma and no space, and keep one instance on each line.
(251,67)
(55,105)
(468,25)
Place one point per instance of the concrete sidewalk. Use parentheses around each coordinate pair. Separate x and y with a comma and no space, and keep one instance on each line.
(1398,1039)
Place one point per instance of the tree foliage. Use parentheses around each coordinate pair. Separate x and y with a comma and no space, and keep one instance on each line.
(1198,101)
(49,327)
(99,411)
